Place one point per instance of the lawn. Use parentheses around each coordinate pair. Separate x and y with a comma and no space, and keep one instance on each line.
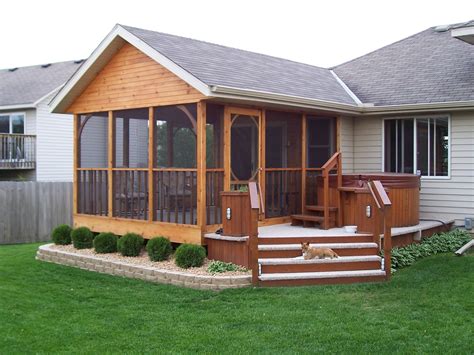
(428,307)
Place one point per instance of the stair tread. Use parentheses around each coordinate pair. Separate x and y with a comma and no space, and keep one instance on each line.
(320,208)
(299,260)
(318,245)
(320,275)
(307,217)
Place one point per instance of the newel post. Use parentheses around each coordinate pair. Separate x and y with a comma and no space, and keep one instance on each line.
(387,241)
(253,231)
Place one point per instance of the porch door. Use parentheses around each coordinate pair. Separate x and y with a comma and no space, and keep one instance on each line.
(243,147)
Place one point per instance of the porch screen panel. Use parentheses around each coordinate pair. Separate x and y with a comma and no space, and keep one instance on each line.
(130,173)
(282,164)
(214,162)
(92,172)
(175,172)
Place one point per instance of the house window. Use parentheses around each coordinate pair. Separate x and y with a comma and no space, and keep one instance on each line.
(12,123)
(417,146)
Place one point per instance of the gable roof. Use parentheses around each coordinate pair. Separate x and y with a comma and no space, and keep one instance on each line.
(217,65)
(216,71)
(25,86)
(428,67)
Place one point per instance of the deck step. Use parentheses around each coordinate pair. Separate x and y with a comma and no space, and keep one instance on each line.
(299,264)
(307,217)
(319,239)
(327,277)
(318,208)
(294,250)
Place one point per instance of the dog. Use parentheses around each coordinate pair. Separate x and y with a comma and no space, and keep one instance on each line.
(321,253)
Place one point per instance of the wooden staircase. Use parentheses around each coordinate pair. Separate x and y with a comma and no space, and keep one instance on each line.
(281,262)
(324,215)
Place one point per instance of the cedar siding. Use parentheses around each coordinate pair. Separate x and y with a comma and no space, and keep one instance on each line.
(130,80)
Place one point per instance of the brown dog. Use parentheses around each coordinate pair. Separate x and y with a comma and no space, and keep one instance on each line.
(321,253)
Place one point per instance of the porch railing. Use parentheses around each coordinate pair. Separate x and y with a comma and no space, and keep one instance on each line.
(384,205)
(17,151)
(333,164)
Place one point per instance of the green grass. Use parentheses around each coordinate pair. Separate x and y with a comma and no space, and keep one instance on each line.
(46,308)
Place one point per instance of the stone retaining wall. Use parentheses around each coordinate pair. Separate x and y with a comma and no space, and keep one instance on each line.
(97,264)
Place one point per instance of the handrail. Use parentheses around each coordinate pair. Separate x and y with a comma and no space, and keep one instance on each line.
(255,202)
(334,162)
(16,135)
(385,207)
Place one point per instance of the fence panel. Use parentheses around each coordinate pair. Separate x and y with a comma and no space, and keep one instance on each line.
(30,210)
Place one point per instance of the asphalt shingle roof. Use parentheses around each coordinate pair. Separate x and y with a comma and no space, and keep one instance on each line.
(26,85)
(428,67)
(219,65)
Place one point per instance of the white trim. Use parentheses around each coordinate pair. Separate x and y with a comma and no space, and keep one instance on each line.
(16,107)
(415,163)
(346,88)
(45,96)
(118,31)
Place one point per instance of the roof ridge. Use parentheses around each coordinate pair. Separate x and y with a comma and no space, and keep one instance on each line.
(379,49)
(228,47)
(39,65)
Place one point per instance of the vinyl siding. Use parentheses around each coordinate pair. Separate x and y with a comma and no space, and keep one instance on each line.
(367,144)
(54,151)
(451,198)
(347,144)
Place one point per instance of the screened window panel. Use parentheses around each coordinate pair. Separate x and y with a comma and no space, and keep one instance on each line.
(131,138)
(93,140)
(214,136)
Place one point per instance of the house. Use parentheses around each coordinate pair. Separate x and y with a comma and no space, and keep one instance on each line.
(35,145)
(164,124)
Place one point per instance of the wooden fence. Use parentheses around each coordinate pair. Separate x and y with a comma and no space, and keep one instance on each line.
(30,210)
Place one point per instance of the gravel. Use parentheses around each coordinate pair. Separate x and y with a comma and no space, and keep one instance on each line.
(143,260)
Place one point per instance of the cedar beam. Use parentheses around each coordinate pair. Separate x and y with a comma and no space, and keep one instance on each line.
(110,159)
(76,162)
(151,160)
(201,164)
(303,163)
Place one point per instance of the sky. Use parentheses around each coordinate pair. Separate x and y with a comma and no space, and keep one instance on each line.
(322,33)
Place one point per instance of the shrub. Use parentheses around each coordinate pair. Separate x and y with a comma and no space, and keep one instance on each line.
(105,243)
(190,255)
(82,238)
(159,249)
(130,244)
(61,235)
(439,243)
(217,266)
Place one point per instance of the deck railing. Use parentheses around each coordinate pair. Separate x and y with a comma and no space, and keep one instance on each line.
(384,205)
(333,164)
(17,151)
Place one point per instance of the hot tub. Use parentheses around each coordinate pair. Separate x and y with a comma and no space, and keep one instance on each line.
(402,189)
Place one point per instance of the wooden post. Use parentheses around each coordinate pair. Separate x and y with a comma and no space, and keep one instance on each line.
(326,199)
(253,231)
(227,124)
(262,176)
(339,192)
(76,162)
(387,241)
(151,163)
(303,163)
(201,164)
(110,158)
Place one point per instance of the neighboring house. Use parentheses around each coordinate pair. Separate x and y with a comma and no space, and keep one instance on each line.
(165,127)
(34,143)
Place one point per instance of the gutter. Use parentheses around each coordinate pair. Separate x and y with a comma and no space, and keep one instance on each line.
(413,108)
(262,96)
(17,107)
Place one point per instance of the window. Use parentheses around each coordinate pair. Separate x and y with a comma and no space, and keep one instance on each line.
(417,145)
(12,123)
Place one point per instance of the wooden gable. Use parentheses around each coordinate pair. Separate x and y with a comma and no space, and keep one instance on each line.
(131,79)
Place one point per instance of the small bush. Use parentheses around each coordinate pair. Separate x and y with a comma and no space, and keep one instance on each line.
(190,255)
(61,235)
(439,243)
(105,243)
(130,244)
(217,266)
(82,238)
(159,249)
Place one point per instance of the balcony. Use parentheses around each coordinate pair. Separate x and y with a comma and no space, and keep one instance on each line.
(17,151)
